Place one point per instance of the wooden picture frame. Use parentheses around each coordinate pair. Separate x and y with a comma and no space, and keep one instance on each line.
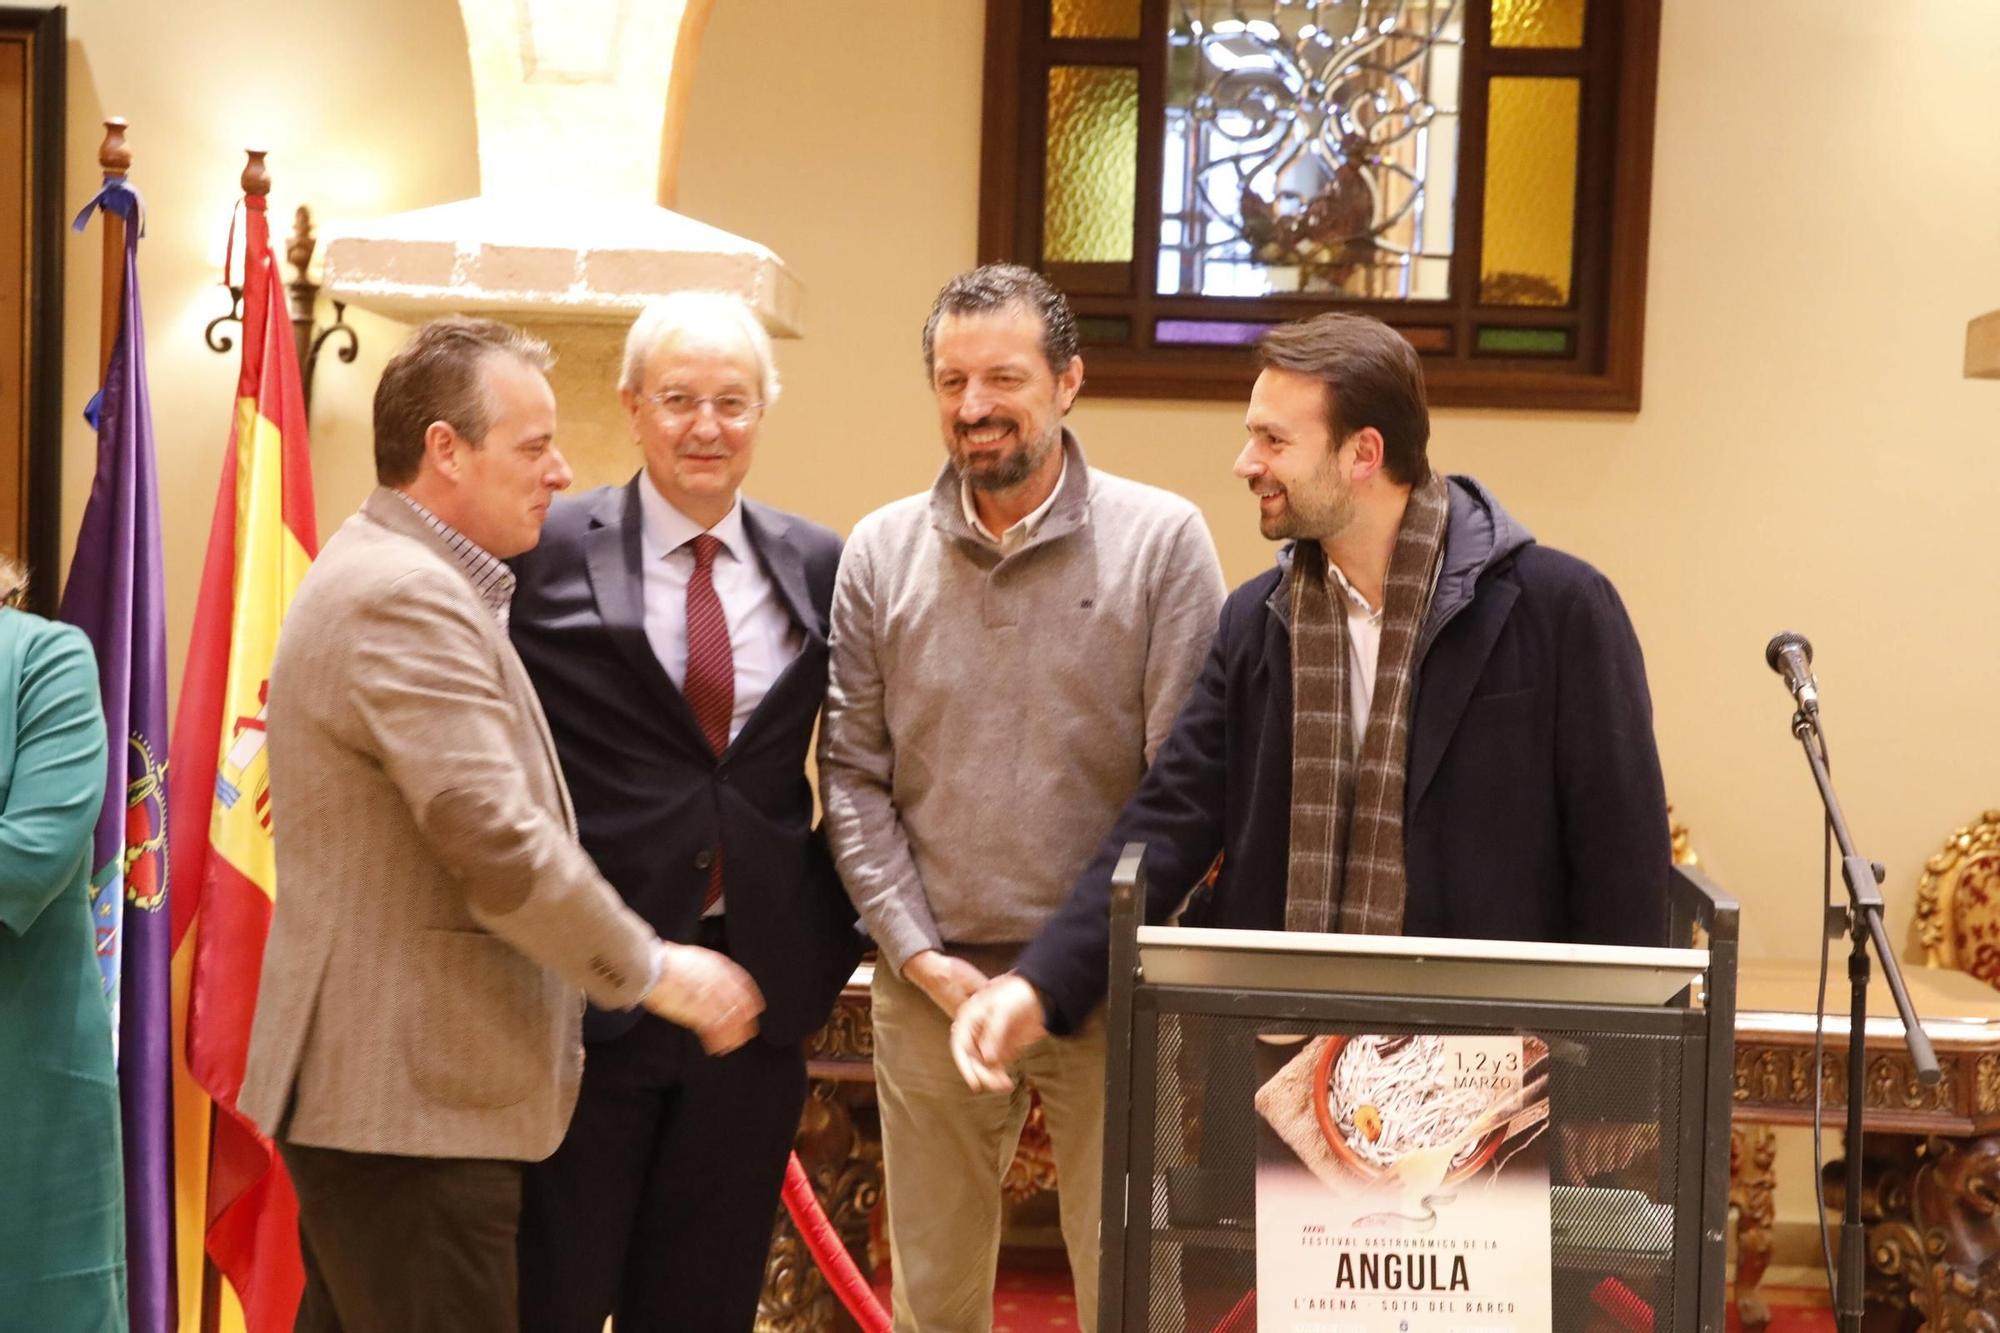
(32,127)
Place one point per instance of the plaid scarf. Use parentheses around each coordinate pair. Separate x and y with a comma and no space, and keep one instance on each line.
(1346,868)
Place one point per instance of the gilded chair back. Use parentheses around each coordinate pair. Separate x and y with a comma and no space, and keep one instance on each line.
(1683,842)
(1958,902)
(1684,854)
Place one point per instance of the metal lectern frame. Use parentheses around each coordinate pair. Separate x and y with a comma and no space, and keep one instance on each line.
(1702,1033)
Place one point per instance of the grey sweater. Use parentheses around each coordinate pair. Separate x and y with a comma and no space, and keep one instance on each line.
(987,716)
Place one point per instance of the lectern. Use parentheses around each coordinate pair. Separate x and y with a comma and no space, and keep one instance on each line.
(1326,1133)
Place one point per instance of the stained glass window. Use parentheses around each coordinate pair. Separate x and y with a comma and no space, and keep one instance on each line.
(1093,146)
(1474,172)
(1094,18)
(1310,148)
(1530,216)
(1538,22)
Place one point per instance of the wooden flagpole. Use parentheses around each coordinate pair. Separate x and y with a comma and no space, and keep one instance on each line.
(116,159)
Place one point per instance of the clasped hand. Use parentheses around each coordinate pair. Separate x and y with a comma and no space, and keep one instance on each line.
(991,1030)
(708,994)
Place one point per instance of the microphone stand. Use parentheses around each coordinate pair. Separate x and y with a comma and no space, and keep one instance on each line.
(1864,923)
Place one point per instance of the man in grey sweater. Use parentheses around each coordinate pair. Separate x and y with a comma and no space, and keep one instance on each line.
(1009,649)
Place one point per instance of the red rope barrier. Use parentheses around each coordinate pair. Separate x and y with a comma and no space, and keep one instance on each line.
(1242,1316)
(856,1296)
(824,1243)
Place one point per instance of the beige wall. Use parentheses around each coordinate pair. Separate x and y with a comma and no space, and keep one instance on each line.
(366,108)
(1824,223)
(1826,186)
(1808,455)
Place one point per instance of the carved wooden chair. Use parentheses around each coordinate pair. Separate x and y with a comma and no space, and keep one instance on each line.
(1958,902)
(1936,1248)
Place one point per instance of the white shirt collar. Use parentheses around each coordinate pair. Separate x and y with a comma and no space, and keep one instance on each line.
(667,529)
(1355,601)
(1026,525)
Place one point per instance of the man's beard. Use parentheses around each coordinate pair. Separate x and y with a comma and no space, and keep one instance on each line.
(1321,517)
(1004,471)
(1278,527)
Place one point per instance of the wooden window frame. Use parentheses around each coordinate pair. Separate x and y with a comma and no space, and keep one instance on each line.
(1614,183)
(31,441)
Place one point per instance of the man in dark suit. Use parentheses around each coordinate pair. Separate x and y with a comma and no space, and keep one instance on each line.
(677,635)
(1420,722)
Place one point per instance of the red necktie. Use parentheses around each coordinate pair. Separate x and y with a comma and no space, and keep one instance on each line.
(710,683)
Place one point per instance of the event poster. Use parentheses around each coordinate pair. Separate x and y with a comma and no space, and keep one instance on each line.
(1402,1184)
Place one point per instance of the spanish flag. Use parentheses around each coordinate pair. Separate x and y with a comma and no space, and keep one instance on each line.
(223,867)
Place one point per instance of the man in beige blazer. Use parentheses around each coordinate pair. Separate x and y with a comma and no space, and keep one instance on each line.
(437,926)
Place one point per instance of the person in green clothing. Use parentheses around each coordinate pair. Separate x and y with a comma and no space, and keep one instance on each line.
(62,1192)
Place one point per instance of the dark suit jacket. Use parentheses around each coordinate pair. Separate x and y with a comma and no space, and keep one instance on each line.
(1533,808)
(652,801)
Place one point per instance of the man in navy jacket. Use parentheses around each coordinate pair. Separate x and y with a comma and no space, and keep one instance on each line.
(676,633)
(1533,803)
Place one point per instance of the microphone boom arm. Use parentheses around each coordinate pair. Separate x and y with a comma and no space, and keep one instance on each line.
(1864,926)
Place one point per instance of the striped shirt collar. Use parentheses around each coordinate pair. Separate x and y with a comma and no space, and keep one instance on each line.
(491,579)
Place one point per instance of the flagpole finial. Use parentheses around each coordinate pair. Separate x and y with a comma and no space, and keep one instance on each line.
(113,155)
(299,250)
(256,176)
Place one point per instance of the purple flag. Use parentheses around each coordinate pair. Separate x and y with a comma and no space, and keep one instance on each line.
(115,595)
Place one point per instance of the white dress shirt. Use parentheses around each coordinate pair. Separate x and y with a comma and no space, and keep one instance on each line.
(763,639)
(1364,650)
(1010,541)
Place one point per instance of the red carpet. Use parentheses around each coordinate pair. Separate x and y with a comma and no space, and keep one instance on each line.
(1027,1301)
(1031,1302)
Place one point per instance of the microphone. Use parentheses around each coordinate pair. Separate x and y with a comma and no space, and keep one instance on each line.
(1790,655)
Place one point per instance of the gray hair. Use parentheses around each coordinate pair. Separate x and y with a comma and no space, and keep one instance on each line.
(680,313)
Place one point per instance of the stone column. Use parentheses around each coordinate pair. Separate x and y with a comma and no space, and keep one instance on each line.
(579,107)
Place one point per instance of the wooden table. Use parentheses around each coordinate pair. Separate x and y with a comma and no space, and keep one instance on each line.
(1931,1182)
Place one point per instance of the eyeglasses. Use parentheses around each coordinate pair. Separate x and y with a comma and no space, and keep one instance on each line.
(731,409)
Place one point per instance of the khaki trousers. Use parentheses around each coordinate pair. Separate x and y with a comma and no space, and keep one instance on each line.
(945,1149)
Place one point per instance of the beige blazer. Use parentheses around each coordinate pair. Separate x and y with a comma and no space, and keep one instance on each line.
(437,926)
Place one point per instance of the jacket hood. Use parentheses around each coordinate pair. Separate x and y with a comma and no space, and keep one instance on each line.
(1478,535)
